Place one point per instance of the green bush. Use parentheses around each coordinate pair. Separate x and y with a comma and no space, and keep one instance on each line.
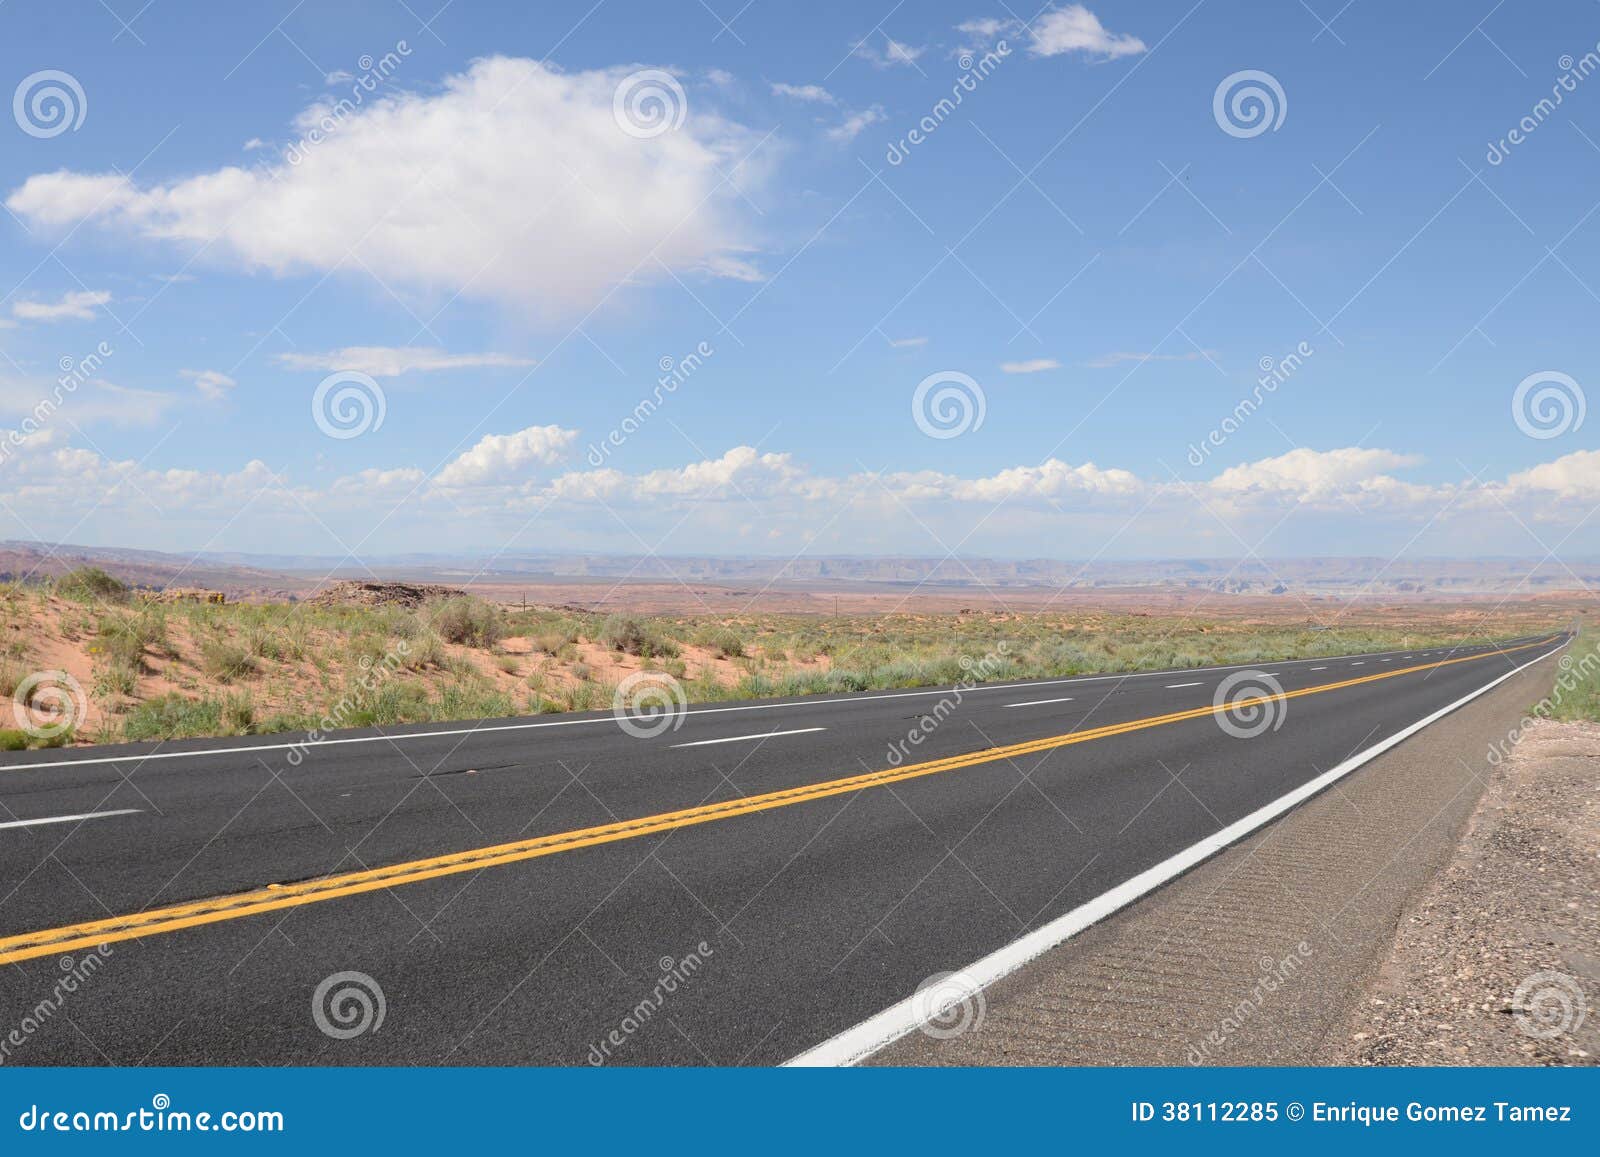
(12,739)
(90,584)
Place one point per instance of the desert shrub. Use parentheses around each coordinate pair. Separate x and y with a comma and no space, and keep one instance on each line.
(621,633)
(725,644)
(627,634)
(426,649)
(468,621)
(172,716)
(90,584)
(12,739)
(238,715)
(225,661)
(582,672)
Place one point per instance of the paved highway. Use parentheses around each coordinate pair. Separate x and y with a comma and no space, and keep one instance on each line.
(742,887)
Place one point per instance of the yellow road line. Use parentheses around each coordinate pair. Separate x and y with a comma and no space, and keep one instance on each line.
(275,897)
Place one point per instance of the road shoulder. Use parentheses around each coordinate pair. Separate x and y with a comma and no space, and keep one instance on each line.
(1258,955)
(1498,962)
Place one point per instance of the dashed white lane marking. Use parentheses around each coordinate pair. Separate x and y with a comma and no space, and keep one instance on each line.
(1358,664)
(894,1022)
(1174,686)
(743,738)
(1319,668)
(127,811)
(1039,702)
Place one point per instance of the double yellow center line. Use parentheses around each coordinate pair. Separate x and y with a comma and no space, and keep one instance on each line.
(155,921)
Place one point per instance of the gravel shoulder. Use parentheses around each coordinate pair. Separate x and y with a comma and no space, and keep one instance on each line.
(1264,954)
(1498,963)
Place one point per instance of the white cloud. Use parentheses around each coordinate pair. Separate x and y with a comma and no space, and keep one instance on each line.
(1106,361)
(507,479)
(1076,29)
(1306,471)
(212,384)
(507,459)
(513,183)
(1031,366)
(812,93)
(1575,476)
(854,124)
(892,53)
(900,343)
(392,361)
(78,305)
(338,76)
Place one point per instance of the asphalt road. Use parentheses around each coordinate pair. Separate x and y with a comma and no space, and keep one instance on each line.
(556,890)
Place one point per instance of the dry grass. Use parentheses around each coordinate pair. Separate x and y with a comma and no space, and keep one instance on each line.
(198,669)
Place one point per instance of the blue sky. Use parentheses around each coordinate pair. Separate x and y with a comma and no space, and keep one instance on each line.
(508,254)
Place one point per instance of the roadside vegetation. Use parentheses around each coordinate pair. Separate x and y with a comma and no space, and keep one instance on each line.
(1576,694)
(171,669)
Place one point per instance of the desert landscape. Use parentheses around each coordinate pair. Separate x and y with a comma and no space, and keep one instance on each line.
(153,647)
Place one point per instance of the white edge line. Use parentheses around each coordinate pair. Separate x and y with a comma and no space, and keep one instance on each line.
(747,738)
(127,811)
(809,701)
(856,1044)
